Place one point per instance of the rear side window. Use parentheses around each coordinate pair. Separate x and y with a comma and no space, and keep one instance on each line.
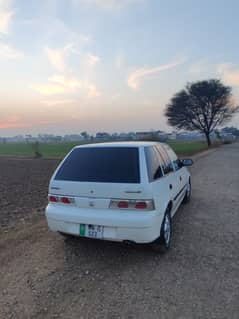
(173,156)
(101,164)
(154,162)
(167,164)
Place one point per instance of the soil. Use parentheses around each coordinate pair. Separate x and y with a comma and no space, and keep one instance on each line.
(23,189)
(44,275)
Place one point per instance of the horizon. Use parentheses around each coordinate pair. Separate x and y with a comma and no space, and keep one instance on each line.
(104,65)
(91,135)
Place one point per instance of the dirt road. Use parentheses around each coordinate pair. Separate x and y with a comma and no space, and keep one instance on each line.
(43,276)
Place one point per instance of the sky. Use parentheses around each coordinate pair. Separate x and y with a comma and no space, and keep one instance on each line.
(68,66)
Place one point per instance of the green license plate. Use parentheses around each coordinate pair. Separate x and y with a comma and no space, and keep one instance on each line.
(91,231)
(82,230)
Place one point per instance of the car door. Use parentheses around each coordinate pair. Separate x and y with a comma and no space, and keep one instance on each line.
(169,175)
(175,178)
(180,176)
(161,180)
(182,184)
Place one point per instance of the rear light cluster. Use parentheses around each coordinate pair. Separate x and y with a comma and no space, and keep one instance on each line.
(132,204)
(61,199)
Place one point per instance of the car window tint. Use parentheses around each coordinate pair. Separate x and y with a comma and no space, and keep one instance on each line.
(167,163)
(170,152)
(101,164)
(154,163)
(176,162)
(177,165)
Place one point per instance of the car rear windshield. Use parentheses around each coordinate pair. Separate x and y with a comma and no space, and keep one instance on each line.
(101,164)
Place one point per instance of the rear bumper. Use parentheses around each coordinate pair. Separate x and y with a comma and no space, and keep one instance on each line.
(139,227)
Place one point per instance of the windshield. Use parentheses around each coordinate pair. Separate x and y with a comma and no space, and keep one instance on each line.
(101,164)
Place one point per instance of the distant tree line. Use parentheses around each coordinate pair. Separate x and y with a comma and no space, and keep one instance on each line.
(231,130)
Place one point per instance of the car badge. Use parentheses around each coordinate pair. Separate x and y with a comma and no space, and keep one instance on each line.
(91,204)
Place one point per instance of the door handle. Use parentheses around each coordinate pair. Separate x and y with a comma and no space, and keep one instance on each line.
(180,178)
(170,186)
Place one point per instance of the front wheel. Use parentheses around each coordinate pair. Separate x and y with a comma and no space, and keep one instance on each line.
(162,244)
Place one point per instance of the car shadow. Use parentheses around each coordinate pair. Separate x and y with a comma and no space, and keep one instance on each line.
(105,254)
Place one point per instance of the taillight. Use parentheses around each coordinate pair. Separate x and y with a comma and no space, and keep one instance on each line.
(141,205)
(53,199)
(123,204)
(65,200)
(61,199)
(132,204)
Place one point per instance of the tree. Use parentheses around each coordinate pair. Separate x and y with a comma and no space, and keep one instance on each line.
(201,106)
(85,135)
(36,149)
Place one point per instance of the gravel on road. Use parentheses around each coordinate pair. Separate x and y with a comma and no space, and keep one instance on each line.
(45,276)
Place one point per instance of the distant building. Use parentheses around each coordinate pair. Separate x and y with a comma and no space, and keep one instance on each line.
(144,135)
(172,136)
(73,138)
(152,135)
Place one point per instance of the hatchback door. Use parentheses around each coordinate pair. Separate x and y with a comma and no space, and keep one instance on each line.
(96,175)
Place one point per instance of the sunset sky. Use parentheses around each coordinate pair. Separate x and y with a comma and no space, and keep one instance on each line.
(108,65)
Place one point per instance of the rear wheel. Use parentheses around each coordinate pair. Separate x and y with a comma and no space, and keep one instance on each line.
(162,244)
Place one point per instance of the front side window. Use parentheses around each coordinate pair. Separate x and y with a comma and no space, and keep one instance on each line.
(101,164)
(177,164)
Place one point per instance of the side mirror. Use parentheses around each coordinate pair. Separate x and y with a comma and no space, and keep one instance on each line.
(187,162)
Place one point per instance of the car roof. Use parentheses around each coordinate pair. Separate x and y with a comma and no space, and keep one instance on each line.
(120,144)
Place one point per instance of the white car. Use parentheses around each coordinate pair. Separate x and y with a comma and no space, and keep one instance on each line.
(122,191)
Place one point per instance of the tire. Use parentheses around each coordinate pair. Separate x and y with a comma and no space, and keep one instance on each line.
(187,197)
(162,244)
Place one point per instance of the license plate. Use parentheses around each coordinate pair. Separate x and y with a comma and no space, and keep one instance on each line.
(91,231)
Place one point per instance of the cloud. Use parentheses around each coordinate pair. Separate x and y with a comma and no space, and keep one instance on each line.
(92,90)
(9,52)
(229,73)
(92,59)
(6,15)
(58,30)
(137,76)
(57,102)
(5,21)
(18,122)
(11,122)
(106,4)
(57,56)
(49,89)
(66,82)
(61,84)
